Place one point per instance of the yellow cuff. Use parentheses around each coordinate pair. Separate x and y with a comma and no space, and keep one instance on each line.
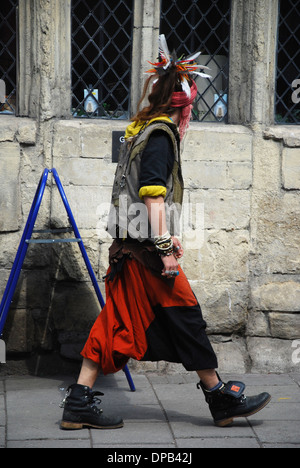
(152,191)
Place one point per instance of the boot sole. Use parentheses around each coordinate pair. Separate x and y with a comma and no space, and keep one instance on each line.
(228,421)
(67,425)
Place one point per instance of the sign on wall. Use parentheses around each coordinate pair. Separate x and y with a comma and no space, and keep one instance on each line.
(117,140)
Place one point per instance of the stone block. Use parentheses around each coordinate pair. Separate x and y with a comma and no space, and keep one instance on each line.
(217,175)
(44,214)
(223,257)
(292,142)
(224,306)
(33,290)
(10,202)
(32,168)
(271,355)
(67,139)
(8,128)
(19,331)
(204,174)
(85,172)
(67,259)
(275,229)
(75,306)
(87,204)
(232,355)
(228,256)
(274,209)
(266,166)
(285,326)
(289,135)
(96,138)
(239,175)
(291,168)
(4,275)
(27,132)
(217,143)
(223,209)
(258,324)
(287,257)
(9,243)
(38,255)
(276,296)
(96,141)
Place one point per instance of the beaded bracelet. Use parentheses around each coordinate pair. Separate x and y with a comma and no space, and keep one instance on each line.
(164,244)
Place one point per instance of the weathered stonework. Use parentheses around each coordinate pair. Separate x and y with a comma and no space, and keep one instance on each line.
(245,177)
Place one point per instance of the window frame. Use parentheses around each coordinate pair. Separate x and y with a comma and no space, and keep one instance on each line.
(291,116)
(210,100)
(10,108)
(91,101)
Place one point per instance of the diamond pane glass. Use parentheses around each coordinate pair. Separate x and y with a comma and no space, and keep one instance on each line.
(287,98)
(8,52)
(101,58)
(202,26)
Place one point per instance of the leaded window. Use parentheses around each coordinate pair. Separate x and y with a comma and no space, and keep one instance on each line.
(8,52)
(202,25)
(287,100)
(101,58)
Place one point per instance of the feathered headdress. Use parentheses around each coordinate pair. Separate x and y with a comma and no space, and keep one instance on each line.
(185,67)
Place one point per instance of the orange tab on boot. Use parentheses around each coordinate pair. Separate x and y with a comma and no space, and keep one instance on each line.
(234,388)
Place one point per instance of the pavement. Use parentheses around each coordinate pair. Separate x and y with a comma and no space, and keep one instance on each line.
(165,412)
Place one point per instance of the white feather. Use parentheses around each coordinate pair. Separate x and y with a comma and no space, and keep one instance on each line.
(186,88)
(164,50)
(194,56)
(201,67)
(203,75)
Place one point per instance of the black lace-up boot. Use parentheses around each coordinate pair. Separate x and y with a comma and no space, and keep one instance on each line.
(81,410)
(228,402)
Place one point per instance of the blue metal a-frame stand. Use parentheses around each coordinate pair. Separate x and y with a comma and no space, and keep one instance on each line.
(27,239)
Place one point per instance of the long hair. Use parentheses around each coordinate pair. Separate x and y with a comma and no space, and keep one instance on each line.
(160,97)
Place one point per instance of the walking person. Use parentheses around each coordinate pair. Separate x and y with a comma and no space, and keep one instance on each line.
(151,313)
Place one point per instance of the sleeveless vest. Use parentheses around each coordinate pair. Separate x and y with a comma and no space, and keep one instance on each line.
(128,214)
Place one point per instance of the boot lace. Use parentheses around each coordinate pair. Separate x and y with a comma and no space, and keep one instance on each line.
(94,402)
(91,399)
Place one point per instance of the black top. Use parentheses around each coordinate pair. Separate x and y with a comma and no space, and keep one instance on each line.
(157,160)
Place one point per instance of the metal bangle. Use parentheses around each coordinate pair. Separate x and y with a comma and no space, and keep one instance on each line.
(172,272)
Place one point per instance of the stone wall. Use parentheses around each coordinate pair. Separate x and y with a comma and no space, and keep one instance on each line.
(245,176)
(245,273)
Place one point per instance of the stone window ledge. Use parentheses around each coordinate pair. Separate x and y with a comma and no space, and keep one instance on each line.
(289,134)
(219,128)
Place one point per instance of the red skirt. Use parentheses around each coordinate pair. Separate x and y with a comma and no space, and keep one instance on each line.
(149,319)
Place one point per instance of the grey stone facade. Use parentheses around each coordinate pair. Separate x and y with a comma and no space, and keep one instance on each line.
(245,174)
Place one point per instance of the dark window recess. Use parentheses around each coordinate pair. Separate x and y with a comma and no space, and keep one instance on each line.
(202,26)
(8,52)
(287,100)
(101,58)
